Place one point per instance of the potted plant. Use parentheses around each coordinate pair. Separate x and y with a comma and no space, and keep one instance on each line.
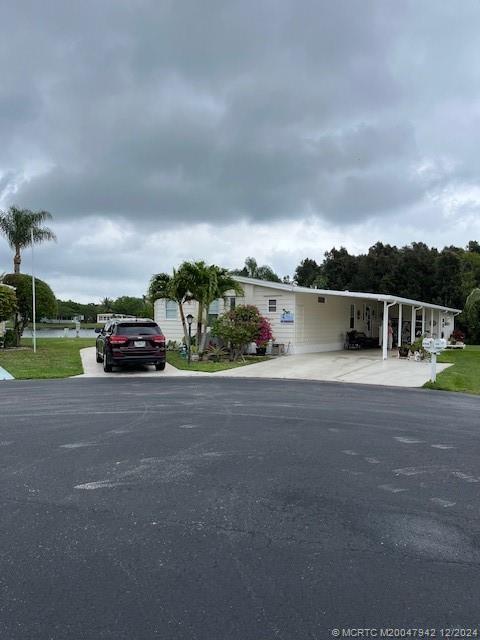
(416,349)
(264,336)
(403,351)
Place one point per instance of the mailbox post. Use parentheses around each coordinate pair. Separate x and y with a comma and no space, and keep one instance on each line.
(434,346)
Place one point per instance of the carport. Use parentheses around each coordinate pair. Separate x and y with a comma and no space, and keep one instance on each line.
(308,320)
(436,321)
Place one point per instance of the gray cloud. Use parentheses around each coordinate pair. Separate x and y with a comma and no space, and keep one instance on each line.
(182,113)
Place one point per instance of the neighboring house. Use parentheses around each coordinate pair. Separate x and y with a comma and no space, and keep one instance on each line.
(105,317)
(313,320)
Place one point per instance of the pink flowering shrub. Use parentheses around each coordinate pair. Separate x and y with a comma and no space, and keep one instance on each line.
(264,333)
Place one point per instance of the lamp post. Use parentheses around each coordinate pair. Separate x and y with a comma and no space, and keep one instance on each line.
(189,320)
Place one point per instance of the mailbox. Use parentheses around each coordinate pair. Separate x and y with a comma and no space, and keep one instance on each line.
(427,343)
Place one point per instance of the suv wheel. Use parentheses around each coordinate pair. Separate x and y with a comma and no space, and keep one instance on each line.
(160,366)
(107,363)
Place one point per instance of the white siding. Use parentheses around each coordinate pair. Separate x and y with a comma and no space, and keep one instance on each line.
(172,328)
(284,333)
(253,294)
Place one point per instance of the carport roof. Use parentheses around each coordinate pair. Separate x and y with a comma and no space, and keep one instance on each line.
(380,297)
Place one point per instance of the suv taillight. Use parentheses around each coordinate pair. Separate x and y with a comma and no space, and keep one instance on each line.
(158,339)
(118,339)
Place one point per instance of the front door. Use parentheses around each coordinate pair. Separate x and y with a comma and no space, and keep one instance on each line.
(368,320)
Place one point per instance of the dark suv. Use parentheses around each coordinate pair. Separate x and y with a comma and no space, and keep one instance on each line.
(131,341)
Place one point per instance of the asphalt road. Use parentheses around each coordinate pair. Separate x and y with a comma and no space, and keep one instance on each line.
(235,509)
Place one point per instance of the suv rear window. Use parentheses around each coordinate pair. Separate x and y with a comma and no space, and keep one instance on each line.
(137,328)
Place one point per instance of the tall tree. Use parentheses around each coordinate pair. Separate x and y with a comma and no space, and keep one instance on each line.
(307,273)
(339,268)
(107,305)
(8,302)
(206,283)
(17,225)
(259,272)
(166,287)
(472,315)
(46,304)
(131,306)
(448,276)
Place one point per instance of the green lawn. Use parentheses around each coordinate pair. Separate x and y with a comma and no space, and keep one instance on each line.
(465,373)
(177,361)
(55,358)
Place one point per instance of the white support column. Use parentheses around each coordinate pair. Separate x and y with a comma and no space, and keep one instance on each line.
(386,307)
(431,323)
(439,329)
(413,324)
(400,319)
(423,321)
(385,331)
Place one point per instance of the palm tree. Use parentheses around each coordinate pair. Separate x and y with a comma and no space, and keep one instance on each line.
(176,288)
(207,283)
(259,272)
(18,225)
(472,299)
(106,304)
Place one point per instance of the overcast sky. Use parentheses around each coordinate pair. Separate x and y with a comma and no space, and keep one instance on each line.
(158,131)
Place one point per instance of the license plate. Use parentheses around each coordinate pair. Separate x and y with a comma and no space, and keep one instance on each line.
(139,343)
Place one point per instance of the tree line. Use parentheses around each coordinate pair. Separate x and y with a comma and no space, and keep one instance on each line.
(413,271)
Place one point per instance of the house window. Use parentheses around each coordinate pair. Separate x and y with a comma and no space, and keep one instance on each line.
(171,310)
(213,311)
(321,299)
(272,306)
(352,316)
(214,308)
(232,304)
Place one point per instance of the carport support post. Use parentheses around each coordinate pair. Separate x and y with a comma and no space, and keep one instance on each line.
(423,321)
(386,307)
(399,331)
(414,323)
(431,323)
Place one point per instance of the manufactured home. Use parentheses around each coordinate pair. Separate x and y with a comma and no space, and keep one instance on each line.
(308,320)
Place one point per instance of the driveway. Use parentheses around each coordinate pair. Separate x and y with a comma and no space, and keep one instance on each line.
(363,367)
(92,369)
(235,509)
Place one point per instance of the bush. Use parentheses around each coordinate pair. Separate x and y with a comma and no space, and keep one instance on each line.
(8,302)
(46,304)
(458,335)
(9,339)
(238,328)
(265,333)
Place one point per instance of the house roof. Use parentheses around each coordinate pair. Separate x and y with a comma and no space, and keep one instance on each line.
(380,297)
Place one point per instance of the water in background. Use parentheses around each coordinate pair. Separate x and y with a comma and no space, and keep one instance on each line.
(60,333)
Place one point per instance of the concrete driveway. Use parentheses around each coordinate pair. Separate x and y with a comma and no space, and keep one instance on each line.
(93,369)
(363,367)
